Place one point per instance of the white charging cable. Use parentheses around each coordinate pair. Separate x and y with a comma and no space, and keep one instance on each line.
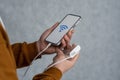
(57,63)
(35,59)
(42,51)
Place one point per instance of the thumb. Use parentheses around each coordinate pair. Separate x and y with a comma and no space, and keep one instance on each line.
(53,27)
(59,52)
(48,31)
(58,55)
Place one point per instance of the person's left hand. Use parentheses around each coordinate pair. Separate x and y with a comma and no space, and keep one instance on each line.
(41,43)
(66,64)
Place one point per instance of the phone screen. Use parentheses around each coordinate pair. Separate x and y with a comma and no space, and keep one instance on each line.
(65,25)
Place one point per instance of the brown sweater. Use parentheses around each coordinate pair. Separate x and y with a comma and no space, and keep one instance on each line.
(20,55)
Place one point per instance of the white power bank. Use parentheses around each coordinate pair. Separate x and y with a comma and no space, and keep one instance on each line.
(68,22)
(75,51)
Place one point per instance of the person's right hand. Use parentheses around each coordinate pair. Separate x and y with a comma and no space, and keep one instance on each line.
(65,65)
(41,43)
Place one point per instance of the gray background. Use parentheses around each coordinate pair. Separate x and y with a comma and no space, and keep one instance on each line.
(98,33)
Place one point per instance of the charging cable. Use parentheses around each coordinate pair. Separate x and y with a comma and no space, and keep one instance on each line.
(35,59)
(42,51)
(57,63)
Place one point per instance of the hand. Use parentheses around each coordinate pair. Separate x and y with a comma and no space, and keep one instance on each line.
(41,44)
(67,64)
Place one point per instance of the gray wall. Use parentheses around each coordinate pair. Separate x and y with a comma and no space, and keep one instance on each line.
(98,33)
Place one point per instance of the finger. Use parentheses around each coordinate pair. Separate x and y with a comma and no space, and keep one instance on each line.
(53,27)
(63,43)
(73,45)
(68,46)
(67,39)
(48,31)
(60,55)
(59,52)
(70,33)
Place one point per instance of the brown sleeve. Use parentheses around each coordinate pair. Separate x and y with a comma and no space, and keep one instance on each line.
(24,53)
(51,74)
(7,65)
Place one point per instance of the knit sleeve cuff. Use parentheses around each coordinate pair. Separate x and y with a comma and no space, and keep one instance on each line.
(55,72)
(51,74)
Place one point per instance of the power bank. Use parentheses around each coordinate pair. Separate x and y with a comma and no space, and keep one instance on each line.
(75,51)
(68,22)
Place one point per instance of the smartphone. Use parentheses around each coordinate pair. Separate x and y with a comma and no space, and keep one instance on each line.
(66,24)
